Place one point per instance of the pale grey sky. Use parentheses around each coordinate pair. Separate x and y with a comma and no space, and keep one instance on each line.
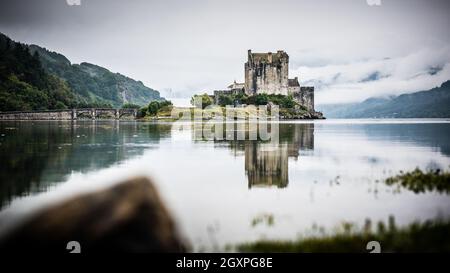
(347,49)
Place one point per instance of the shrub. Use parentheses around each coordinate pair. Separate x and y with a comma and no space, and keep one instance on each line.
(153,107)
(205,101)
(261,99)
(225,100)
(142,112)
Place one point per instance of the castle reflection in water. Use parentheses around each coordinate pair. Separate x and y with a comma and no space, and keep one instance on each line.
(266,163)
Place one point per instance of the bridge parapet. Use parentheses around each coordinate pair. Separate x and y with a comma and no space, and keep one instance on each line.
(127,113)
(71,114)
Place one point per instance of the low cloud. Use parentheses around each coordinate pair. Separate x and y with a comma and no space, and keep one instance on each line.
(359,80)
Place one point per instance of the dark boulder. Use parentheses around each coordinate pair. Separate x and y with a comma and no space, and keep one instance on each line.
(128,217)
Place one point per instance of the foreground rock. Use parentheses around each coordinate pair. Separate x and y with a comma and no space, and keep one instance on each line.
(129,217)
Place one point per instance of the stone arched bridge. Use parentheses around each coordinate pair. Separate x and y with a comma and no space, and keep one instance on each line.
(71,114)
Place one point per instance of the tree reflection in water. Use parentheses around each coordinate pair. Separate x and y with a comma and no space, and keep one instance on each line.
(35,155)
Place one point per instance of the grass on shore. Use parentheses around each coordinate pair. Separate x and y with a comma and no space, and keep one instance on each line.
(429,236)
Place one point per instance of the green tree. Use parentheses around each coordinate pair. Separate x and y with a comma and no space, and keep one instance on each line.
(153,108)
(205,100)
(240,98)
(142,111)
(165,103)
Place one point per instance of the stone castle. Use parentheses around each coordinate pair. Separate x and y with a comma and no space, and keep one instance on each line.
(269,73)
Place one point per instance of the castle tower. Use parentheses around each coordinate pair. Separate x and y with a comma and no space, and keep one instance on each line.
(267,73)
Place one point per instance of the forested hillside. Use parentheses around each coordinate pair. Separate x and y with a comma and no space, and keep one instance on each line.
(24,85)
(33,78)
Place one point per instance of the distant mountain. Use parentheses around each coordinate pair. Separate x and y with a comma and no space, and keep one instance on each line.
(95,83)
(433,103)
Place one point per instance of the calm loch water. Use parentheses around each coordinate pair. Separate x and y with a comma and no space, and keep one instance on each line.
(222,192)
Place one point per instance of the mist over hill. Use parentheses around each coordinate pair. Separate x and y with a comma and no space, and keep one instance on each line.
(433,103)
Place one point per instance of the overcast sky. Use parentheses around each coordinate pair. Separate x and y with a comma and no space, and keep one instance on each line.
(348,49)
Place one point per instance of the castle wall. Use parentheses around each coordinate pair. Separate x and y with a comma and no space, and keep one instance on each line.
(293,89)
(306,97)
(272,79)
(250,79)
(267,73)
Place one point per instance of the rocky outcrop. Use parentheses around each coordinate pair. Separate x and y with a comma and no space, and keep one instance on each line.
(299,114)
(129,217)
